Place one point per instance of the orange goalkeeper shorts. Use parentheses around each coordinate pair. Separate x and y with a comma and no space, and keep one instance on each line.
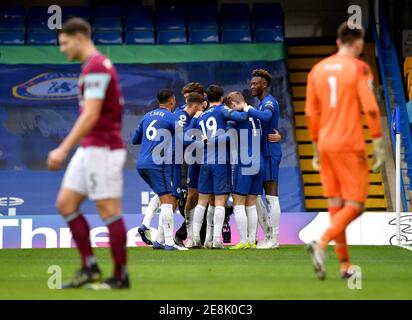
(344,174)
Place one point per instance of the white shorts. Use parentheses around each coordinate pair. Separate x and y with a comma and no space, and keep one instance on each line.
(96,172)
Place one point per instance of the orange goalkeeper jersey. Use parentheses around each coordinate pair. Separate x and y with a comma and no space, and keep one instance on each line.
(336,89)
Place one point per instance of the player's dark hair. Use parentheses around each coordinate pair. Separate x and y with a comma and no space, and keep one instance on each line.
(74,26)
(195,97)
(261,73)
(347,33)
(193,87)
(164,95)
(214,93)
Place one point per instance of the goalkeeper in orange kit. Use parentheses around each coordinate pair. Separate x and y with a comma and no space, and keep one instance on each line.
(338,89)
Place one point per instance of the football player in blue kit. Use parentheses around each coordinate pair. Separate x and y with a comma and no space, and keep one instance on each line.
(268,113)
(155,134)
(247,180)
(215,172)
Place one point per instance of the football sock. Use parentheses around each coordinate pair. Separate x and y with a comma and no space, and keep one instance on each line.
(218,220)
(81,234)
(118,238)
(197,221)
(338,224)
(166,210)
(241,222)
(274,216)
(262,217)
(341,248)
(209,223)
(152,207)
(251,215)
(160,237)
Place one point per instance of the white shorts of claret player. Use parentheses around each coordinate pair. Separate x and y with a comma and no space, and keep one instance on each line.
(96,172)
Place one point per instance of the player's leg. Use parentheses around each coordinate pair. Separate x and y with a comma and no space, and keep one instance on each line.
(71,195)
(110,212)
(104,169)
(239,211)
(240,188)
(68,204)
(210,213)
(205,190)
(221,175)
(192,199)
(251,215)
(144,229)
(271,179)
(166,211)
(263,221)
(352,172)
(198,216)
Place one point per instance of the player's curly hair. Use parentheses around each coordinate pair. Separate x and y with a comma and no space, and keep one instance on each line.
(193,87)
(262,74)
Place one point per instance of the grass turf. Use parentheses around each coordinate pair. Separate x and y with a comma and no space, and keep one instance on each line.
(213,274)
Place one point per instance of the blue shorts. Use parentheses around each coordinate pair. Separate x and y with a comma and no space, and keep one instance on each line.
(271,169)
(159,180)
(245,184)
(215,179)
(193,176)
(177,180)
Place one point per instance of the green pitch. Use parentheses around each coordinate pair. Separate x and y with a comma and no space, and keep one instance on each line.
(212,274)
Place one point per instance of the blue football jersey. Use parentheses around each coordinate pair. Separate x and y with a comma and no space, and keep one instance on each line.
(212,123)
(151,140)
(249,150)
(268,112)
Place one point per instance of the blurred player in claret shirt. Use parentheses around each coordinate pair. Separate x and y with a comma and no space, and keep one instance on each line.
(338,89)
(95,170)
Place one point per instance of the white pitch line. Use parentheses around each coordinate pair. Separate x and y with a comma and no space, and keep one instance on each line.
(404,247)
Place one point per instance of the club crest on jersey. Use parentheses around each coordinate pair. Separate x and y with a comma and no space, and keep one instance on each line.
(49,86)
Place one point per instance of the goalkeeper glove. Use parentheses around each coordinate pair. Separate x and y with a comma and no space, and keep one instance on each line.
(378,154)
(315,159)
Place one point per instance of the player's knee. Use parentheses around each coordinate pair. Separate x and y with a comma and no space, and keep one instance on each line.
(65,207)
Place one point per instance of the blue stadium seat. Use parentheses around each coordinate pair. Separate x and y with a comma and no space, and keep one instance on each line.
(12,12)
(37,12)
(142,23)
(107,37)
(266,9)
(16,24)
(233,22)
(107,12)
(75,11)
(12,38)
(140,37)
(135,11)
(235,9)
(107,24)
(171,37)
(165,11)
(236,36)
(203,22)
(42,38)
(269,35)
(38,25)
(267,22)
(171,23)
(203,36)
(203,10)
